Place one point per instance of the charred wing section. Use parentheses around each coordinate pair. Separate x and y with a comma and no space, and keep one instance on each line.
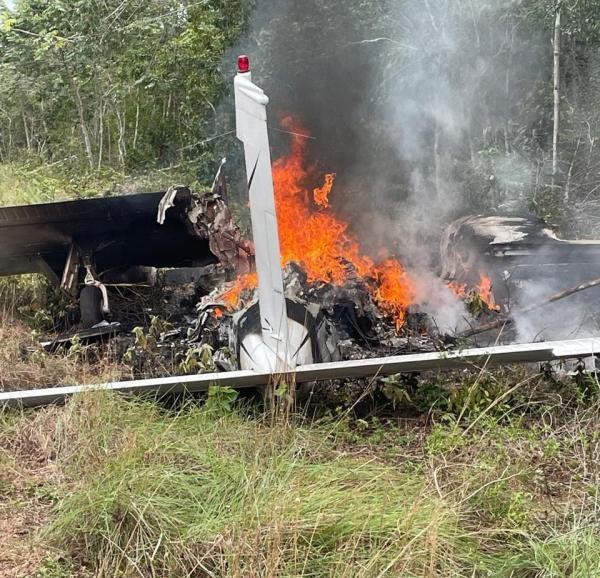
(122,232)
(117,231)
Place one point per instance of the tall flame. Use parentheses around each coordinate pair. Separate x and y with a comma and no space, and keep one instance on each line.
(321,194)
(321,243)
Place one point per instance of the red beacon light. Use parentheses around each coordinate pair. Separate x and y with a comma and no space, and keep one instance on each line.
(243,64)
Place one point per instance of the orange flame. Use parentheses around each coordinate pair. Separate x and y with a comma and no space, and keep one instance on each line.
(321,243)
(485,292)
(459,289)
(321,195)
(483,289)
(395,291)
(243,283)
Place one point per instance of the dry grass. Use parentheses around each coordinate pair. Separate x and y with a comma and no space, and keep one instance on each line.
(152,494)
(25,365)
(22,513)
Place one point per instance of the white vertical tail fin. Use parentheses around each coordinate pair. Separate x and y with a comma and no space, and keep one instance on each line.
(251,122)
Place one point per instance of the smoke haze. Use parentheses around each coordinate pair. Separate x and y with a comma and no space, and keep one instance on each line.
(411,103)
(400,95)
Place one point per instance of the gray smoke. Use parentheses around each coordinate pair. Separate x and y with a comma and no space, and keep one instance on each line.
(407,100)
(573,317)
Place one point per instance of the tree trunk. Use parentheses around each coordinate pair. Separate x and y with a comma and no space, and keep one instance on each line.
(44,124)
(507,87)
(26,129)
(556,130)
(80,110)
(121,140)
(10,139)
(137,119)
(101,135)
(108,143)
(472,154)
(84,129)
(7,146)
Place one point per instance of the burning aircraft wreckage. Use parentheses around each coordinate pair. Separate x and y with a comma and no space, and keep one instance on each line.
(302,301)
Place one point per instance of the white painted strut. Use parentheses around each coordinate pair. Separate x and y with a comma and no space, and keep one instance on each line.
(487,356)
(273,353)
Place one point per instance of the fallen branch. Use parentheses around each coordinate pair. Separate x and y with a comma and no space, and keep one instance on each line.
(508,319)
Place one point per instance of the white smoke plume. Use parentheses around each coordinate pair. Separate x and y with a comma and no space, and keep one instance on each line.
(411,103)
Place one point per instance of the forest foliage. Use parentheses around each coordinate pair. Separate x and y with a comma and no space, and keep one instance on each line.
(132,85)
(118,84)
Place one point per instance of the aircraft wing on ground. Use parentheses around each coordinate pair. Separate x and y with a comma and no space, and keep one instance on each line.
(114,232)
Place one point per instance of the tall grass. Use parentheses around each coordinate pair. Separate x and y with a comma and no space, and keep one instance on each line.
(148,491)
(32,181)
(193,493)
(22,185)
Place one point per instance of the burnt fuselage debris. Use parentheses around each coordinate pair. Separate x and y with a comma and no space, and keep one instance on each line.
(515,251)
(545,286)
(342,322)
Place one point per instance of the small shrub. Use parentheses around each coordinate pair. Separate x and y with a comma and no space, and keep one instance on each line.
(444,439)
(220,400)
(53,568)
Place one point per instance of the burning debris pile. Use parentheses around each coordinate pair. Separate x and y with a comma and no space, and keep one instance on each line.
(479,298)
(322,244)
(344,320)
(353,305)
